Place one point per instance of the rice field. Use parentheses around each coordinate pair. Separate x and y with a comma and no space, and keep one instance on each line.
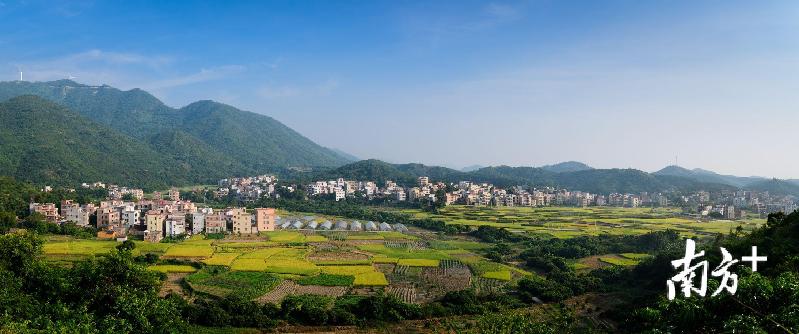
(371,279)
(619,260)
(221,259)
(173,268)
(186,249)
(79,247)
(567,222)
(404,253)
(417,263)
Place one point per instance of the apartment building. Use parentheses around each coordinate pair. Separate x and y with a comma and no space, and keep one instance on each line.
(265,219)
(242,221)
(48,210)
(216,223)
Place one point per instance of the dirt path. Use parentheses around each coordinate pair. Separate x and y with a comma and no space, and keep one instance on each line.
(173,284)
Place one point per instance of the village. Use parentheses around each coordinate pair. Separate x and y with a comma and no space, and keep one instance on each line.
(127,212)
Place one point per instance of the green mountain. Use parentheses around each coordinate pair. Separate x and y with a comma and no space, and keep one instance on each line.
(592,180)
(776,187)
(707,176)
(568,166)
(49,144)
(245,141)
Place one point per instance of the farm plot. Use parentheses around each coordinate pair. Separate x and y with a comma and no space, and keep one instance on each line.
(289,287)
(220,282)
(417,262)
(618,260)
(493,270)
(221,259)
(79,247)
(404,253)
(157,248)
(191,250)
(327,280)
(567,222)
(173,268)
(284,236)
(405,294)
(291,261)
(364,275)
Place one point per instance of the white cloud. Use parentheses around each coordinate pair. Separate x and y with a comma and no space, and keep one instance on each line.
(206,74)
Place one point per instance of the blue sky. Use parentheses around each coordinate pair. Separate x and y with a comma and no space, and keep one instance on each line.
(455,83)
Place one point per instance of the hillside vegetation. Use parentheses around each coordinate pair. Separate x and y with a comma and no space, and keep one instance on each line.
(210,134)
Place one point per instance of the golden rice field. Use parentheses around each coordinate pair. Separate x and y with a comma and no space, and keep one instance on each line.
(566,222)
(173,268)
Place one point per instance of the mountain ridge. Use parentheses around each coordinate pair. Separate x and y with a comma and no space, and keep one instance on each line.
(258,142)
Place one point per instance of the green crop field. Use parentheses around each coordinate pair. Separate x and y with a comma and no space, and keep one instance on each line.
(327,280)
(371,279)
(567,222)
(619,261)
(79,247)
(220,282)
(187,249)
(221,259)
(284,236)
(417,263)
(173,268)
(404,253)
(347,270)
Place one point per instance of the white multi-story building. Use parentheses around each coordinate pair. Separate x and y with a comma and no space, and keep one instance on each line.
(129,216)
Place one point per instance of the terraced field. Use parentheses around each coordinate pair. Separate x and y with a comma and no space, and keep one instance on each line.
(414,267)
(566,222)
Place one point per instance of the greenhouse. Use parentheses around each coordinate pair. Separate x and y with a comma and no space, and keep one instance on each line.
(312,225)
(400,228)
(385,227)
(297,225)
(356,226)
(370,226)
(326,225)
(341,225)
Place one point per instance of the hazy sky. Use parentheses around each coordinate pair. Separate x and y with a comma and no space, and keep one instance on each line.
(455,83)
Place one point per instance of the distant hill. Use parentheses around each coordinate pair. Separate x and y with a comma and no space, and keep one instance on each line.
(245,141)
(345,155)
(372,169)
(49,144)
(592,180)
(776,187)
(707,176)
(471,168)
(568,166)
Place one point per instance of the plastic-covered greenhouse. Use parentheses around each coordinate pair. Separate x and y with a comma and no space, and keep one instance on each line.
(356,226)
(342,225)
(400,228)
(370,226)
(312,225)
(326,225)
(385,227)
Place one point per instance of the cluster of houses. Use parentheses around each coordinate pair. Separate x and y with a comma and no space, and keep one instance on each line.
(735,204)
(154,219)
(480,194)
(247,189)
(730,205)
(342,189)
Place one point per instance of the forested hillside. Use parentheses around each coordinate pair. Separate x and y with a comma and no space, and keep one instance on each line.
(247,141)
